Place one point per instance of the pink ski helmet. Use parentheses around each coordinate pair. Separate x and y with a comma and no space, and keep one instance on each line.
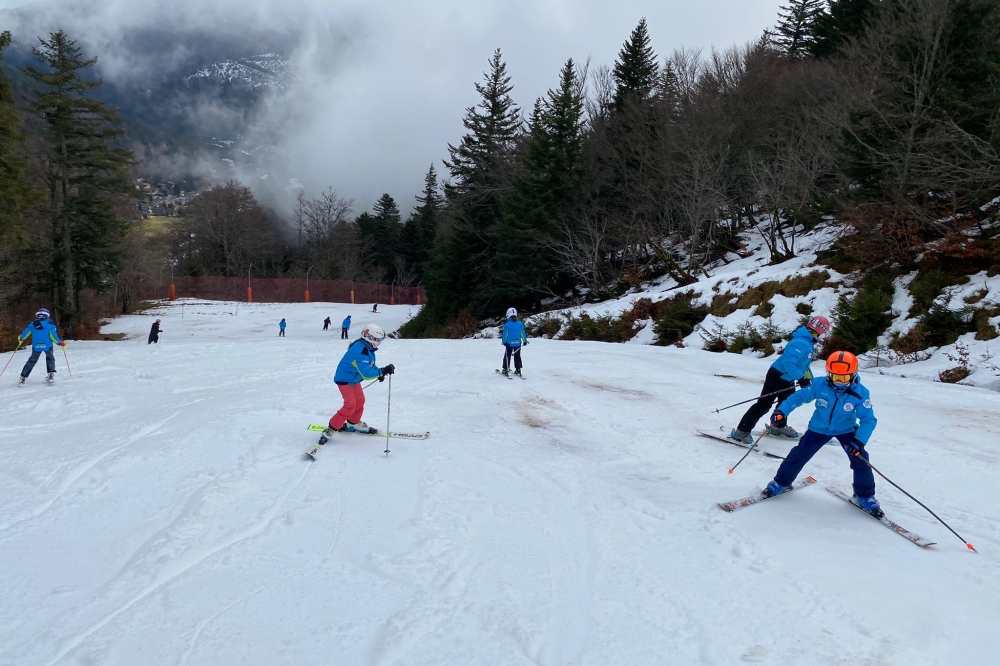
(819,325)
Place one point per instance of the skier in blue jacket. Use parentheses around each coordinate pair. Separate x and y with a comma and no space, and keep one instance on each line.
(791,367)
(357,365)
(43,335)
(843,410)
(345,327)
(513,337)
(281,328)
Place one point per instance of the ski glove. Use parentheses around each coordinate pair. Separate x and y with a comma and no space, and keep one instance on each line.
(778,420)
(62,344)
(389,369)
(804,382)
(854,447)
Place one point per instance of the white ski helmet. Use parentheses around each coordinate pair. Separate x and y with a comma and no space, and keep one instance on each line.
(42,314)
(373,334)
(511,312)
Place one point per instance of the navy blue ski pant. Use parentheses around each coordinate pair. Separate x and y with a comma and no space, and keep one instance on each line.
(50,362)
(808,446)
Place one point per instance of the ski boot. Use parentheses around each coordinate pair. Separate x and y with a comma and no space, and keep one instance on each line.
(22,381)
(517,372)
(741,436)
(51,377)
(869,504)
(784,431)
(772,489)
(325,436)
(359,427)
(505,372)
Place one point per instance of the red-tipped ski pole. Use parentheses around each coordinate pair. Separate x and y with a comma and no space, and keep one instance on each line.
(874,469)
(19,343)
(65,356)
(766,395)
(750,450)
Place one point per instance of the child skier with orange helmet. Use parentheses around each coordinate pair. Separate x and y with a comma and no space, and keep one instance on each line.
(844,411)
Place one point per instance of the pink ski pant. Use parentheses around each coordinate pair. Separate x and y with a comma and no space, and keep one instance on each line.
(354,405)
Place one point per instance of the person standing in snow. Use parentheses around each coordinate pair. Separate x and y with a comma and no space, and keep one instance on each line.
(43,334)
(513,337)
(326,323)
(375,308)
(281,328)
(357,365)
(345,328)
(843,410)
(154,333)
(791,367)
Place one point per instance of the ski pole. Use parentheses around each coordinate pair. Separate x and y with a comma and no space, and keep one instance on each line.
(766,395)
(67,361)
(19,343)
(388,410)
(874,469)
(750,450)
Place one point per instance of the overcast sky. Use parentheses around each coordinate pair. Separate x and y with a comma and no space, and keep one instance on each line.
(383,85)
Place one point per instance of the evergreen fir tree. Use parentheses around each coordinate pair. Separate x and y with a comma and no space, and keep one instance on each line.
(636,70)
(420,230)
(794,34)
(85,173)
(13,162)
(460,274)
(546,192)
(843,20)
(381,232)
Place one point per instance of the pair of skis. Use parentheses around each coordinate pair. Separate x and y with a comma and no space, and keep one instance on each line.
(508,375)
(315,427)
(736,505)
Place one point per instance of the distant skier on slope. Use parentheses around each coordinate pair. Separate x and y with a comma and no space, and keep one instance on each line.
(357,365)
(791,367)
(375,308)
(843,410)
(345,328)
(154,333)
(43,334)
(281,328)
(513,337)
(326,323)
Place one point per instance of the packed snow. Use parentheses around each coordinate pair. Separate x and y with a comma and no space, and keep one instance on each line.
(157,508)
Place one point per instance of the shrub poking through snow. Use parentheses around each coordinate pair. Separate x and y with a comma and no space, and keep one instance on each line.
(859,320)
(677,318)
(544,326)
(962,370)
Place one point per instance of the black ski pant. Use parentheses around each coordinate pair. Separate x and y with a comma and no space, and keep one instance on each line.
(343,334)
(516,353)
(50,362)
(153,337)
(772,382)
(281,332)
(326,326)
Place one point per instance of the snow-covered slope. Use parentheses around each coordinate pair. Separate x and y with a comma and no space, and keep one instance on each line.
(737,275)
(156,509)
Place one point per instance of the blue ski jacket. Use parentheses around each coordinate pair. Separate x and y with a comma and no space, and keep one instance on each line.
(513,333)
(838,410)
(281,324)
(793,364)
(43,335)
(358,364)
(347,322)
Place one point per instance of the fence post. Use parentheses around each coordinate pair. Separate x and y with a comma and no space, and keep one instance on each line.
(352,297)
(307,295)
(249,294)
(173,292)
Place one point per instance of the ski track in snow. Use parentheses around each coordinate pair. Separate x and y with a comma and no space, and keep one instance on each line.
(159,510)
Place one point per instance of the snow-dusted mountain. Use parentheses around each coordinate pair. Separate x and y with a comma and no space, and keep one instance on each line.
(259,72)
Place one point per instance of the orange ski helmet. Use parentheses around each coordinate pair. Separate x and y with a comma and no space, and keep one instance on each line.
(842,368)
